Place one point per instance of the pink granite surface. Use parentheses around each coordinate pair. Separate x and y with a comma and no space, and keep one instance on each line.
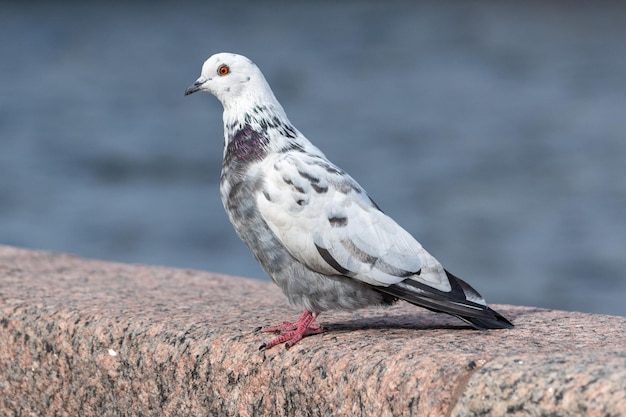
(90,338)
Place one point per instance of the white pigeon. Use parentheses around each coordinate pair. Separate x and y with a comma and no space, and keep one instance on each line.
(313,228)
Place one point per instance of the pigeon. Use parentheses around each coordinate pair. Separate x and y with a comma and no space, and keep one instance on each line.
(310,225)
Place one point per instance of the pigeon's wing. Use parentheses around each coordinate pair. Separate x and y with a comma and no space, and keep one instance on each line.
(326,221)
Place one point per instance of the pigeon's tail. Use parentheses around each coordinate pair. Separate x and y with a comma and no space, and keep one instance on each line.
(461,301)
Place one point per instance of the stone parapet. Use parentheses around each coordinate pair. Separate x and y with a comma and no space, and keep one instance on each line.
(90,338)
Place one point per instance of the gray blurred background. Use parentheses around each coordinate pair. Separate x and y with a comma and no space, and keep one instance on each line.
(494,132)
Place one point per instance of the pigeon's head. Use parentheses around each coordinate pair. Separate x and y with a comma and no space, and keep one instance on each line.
(232,79)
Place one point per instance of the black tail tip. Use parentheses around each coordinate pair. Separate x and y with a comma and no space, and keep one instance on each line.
(496,321)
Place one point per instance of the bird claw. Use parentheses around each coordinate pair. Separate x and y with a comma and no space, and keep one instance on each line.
(292,333)
(290,338)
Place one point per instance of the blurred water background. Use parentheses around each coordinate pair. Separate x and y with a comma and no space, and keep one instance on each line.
(495,132)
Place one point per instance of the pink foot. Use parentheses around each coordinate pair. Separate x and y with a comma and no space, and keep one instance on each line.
(291,333)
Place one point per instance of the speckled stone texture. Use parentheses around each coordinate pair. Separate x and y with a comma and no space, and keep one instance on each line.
(92,338)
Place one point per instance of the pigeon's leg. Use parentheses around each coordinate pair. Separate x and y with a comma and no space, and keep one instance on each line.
(291,333)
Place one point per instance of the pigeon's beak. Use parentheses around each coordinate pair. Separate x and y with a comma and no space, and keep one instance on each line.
(197,86)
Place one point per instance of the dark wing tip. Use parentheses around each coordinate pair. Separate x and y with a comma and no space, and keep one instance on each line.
(496,321)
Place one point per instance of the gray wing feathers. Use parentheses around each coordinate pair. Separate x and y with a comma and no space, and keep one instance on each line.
(326,221)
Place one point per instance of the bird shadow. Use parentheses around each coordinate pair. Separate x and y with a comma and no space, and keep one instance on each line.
(404,322)
(399,322)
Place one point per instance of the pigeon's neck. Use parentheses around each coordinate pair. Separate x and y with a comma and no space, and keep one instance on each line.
(243,112)
(262,125)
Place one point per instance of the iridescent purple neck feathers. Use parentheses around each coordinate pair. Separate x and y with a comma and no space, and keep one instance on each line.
(247,145)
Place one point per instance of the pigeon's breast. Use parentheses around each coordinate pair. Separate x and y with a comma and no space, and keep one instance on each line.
(239,192)
(241,181)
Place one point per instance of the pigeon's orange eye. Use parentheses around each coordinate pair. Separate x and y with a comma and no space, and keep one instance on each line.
(223,70)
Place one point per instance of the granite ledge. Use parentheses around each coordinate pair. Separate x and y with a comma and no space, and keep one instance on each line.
(92,338)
